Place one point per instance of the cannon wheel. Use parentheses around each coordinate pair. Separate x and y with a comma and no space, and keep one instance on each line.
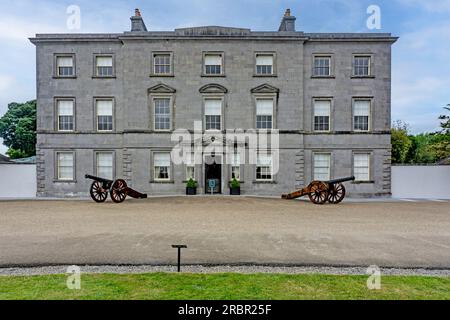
(118,193)
(336,193)
(98,194)
(318,192)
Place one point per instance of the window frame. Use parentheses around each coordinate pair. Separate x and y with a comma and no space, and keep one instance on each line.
(56,159)
(371,73)
(329,56)
(330,164)
(96,114)
(222,107)
(113,153)
(154,97)
(370,159)
(330,121)
(56,113)
(153,171)
(213,53)
(273,54)
(369,121)
(265,97)
(95,71)
(56,74)
(153,65)
(272,176)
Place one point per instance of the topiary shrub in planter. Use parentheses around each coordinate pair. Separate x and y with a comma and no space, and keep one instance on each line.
(235,188)
(191,187)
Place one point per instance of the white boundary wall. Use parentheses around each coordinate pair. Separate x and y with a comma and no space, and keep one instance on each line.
(17,181)
(421,182)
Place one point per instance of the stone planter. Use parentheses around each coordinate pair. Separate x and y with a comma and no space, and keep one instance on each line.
(235,191)
(191,191)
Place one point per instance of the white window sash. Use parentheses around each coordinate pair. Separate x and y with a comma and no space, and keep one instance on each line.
(213,107)
(264,107)
(322,166)
(104,61)
(361,164)
(104,107)
(105,165)
(361,108)
(264,60)
(213,60)
(65,107)
(322,108)
(161,160)
(264,161)
(65,166)
(64,61)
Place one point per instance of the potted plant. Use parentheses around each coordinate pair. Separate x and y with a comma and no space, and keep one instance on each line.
(235,187)
(191,187)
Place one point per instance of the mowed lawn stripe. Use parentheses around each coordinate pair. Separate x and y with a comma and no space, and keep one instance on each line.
(227,286)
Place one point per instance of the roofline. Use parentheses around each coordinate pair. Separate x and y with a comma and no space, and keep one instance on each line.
(250,35)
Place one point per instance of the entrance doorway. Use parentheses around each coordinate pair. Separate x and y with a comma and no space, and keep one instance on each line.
(213,171)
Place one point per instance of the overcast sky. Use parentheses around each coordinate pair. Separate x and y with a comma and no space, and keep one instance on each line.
(421,68)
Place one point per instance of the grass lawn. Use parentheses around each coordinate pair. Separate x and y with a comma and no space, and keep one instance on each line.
(222,286)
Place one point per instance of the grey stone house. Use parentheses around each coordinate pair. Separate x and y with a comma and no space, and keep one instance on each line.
(109,103)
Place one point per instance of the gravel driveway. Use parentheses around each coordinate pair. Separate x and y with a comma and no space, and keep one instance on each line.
(225,230)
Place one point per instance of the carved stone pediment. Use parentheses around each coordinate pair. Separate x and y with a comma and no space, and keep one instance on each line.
(213,88)
(161,88)
(265,88)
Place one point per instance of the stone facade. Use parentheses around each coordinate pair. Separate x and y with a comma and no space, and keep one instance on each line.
(132,86)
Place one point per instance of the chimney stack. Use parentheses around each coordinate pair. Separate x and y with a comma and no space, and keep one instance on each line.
(137,23)
(288,22)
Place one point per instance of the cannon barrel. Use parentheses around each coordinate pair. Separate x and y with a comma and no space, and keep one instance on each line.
(340,180)
(102,180)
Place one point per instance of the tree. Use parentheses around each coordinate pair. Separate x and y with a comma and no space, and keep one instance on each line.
(446,124)
(18,129)
(400,141)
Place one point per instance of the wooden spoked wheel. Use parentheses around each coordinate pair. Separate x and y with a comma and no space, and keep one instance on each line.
(98,194)
(318,193)
(118,191)
(336,193)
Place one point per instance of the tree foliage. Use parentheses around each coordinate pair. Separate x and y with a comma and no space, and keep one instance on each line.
(18,129)
(400,141)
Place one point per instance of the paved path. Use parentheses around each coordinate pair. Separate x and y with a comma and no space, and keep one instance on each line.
(225,230)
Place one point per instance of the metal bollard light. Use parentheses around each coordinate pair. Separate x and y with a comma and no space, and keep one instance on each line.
(179,247)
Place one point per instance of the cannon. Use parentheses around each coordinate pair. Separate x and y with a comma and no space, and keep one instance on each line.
(118,190)
(319,192)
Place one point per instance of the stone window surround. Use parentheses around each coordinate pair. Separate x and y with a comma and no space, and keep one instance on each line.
(322,151)
(222,54)
(152,64)
(152,167)
(371,166)
(171,97)
(95,128)
(94,71)
(55,65)
(96,152)
(322,98)
(332,65)
(274,66)
(55,161)
(56,114)
(371,113)
(371,65)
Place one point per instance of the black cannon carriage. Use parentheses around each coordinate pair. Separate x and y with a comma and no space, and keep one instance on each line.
(319,192)
(117,189)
